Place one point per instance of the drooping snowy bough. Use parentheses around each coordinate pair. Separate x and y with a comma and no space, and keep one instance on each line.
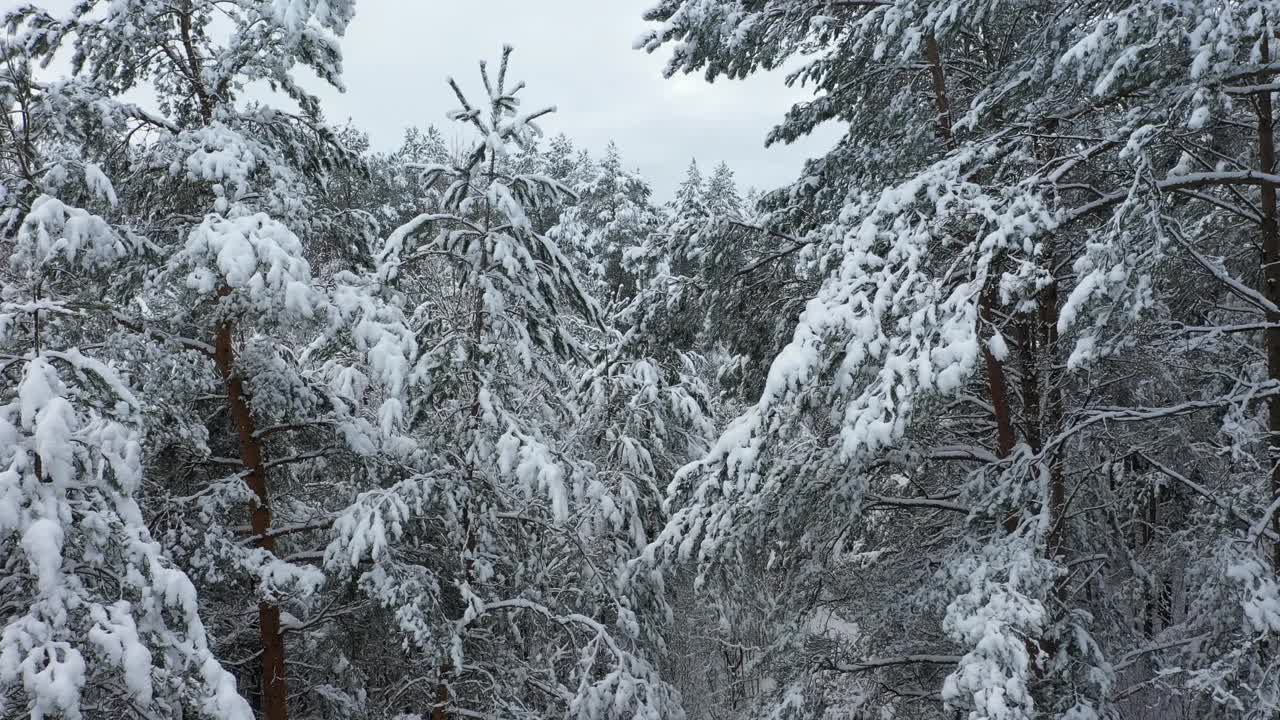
(1019,437)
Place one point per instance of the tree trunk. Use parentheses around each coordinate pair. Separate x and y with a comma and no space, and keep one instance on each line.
(195,64)
(997,384)
(442,693)
(940,100)
(997,391)
(1053,406)
(275,696)
(1271,286)
(1029,347)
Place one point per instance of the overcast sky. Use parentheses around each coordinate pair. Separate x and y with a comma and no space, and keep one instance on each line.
(575,54)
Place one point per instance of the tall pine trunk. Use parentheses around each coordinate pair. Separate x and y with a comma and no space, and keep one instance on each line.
(997,384)
(941,101)
(1271,286)
(1051,416)
(442,693)
(275,696)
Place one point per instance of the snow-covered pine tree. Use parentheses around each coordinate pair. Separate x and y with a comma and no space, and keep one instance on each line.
(666,264)
(721,193)
(561,159)
(1079,183)
(1004,359)
(689,209)
(350,204)
(244,360)
(1171,231)
(647,406)
(486,557)
(924,238)
(96,617)
(613,213)
(557,160)
(421,147)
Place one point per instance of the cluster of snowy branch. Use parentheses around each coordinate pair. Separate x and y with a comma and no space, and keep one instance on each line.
(978,418)
(1018,426)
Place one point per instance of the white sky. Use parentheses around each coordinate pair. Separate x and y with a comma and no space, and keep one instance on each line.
(575,54)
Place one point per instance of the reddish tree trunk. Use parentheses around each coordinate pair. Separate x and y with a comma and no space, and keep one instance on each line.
(998,392)
(997,384)
(275,697)
(998,388)
(941,101)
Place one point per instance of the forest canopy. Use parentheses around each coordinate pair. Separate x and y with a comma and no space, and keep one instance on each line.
(977,418)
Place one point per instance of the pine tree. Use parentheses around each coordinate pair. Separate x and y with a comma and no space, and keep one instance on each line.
(1003,244)
(689,202)
(903,318)
(974,418)
(96,614)
(721,193)
(222,289)
(561,159)
(613,214)
(498,479)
